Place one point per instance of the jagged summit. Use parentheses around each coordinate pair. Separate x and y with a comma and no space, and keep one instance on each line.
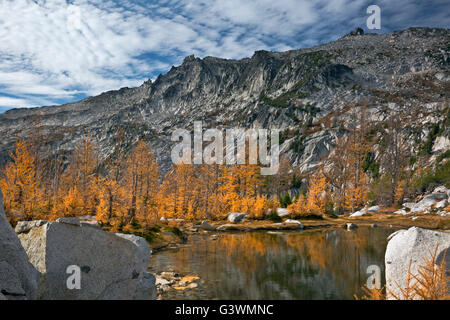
(357,32)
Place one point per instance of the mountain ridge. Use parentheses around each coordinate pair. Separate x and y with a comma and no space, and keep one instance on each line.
(288,90)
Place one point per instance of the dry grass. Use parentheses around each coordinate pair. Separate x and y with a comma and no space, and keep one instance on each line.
(372,294)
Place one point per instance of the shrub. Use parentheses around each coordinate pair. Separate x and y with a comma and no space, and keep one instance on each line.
(285,200)
(443,156)
(175,231)
(275,217)
(260,207)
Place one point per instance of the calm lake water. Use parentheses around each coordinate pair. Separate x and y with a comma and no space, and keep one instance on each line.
(328,264)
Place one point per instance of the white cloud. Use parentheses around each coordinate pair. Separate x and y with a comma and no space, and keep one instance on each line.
(13,102)
(53,51)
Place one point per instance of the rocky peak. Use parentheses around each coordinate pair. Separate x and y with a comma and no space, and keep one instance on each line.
(357,32)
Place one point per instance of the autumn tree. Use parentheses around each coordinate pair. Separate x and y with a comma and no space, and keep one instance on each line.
(299,207)
(141,184)
(21,183)
(344,167)
(280,182)
(111,199)
(338,172)
(79,180)
(315,201)
(260,207)
(395,158)
(177,192)
(356,195)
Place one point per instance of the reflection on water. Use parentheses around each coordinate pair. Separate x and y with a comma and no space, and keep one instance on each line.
(327,264)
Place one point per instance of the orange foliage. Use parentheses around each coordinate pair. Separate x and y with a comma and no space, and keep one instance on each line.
(129,192)
(21,183)
(315,201)
(299,207)
(356,195)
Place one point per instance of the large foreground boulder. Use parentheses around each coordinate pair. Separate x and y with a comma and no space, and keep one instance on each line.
(111,266)
(412,245)
(18,277)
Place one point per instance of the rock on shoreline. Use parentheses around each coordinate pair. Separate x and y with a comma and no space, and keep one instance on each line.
(415,245)
(113,266)
(436,202)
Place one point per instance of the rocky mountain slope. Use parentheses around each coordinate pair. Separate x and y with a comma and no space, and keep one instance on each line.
(306,93)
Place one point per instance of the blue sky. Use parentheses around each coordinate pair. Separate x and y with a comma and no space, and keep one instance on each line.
(58,51)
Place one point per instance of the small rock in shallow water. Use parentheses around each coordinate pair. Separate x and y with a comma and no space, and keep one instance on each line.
(164,288)
(161,281)
(351,226)
(168,275)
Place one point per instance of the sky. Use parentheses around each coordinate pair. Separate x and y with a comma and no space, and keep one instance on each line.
(58,51)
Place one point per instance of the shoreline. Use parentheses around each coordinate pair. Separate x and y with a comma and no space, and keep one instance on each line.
(396,222)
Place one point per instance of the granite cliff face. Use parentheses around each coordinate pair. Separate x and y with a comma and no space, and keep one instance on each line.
(306,93)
